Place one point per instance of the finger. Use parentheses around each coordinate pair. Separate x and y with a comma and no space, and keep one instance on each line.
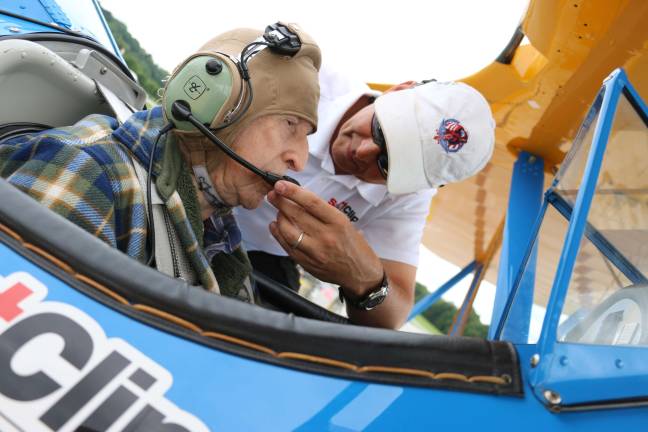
(291,232)
(303,252)
(294,212)
(278,235)
(302,258)
(296,254)
(310,202)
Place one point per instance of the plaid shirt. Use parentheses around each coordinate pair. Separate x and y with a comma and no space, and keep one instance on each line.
(84,173)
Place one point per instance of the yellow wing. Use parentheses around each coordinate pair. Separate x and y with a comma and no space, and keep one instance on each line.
(538,99)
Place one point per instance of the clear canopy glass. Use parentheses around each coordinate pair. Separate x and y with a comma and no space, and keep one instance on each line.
(607,297)
(607,294)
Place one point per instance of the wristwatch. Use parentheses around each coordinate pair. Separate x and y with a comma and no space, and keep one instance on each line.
(372,299)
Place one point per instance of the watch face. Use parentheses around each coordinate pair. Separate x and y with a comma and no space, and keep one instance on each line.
(374,299)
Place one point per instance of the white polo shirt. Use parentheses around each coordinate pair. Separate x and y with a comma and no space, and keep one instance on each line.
(391,224)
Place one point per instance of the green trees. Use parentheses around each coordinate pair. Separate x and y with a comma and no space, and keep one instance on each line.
(441,314)
(149,74)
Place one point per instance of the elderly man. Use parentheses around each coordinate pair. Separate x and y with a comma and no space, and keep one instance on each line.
(375,162)
(98,173)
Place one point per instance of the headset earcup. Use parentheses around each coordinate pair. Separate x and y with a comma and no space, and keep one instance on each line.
(206,82)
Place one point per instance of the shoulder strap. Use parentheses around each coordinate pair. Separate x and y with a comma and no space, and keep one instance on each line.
(169,256)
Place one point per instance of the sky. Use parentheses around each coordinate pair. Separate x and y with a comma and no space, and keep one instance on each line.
(410,40)
(414,40)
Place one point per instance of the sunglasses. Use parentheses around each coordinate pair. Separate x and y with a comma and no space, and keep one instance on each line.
(379,138)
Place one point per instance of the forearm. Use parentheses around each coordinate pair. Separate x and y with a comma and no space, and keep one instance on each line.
(391,314)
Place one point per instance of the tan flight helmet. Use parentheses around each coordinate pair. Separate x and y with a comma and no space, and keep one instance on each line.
(211,82)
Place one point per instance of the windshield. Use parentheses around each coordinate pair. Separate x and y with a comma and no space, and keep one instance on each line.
(619,211)
(548,244)
(608,295)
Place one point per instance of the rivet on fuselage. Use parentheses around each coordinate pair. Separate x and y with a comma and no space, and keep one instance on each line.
(552,397)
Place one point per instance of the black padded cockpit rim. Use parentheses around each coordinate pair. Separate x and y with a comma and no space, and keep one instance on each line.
(352,352)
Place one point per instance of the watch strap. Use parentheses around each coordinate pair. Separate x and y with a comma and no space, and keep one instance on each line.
(371,300)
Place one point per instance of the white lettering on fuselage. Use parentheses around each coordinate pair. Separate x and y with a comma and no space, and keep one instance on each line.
(60,371)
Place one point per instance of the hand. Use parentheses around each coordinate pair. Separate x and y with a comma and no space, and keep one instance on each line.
(331,248)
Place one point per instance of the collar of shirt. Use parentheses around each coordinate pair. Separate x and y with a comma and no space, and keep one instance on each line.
(139,133)
(222,234)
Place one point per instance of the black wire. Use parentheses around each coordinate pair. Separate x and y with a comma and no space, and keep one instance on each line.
(10,130)
(149,204)
(224,147)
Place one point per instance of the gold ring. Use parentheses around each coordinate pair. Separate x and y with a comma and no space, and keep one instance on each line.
(299,240)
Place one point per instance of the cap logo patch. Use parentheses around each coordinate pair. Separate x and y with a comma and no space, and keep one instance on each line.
(451,135)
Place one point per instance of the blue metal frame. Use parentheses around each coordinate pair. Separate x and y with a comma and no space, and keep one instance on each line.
(11,23)
(525,202)
(46,16)
(427,301)
(32,9)
(587,374)
(110,35)
(466,306)
(56,13)
(529,253)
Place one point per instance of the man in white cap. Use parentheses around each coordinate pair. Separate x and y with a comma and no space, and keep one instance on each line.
(373,167)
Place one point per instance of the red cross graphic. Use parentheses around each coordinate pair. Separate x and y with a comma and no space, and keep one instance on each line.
(9,300)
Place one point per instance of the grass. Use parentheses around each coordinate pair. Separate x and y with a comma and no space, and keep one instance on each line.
(426,325)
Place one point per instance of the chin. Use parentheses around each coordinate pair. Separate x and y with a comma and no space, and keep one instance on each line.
(341,166)
(248,206)
(373,179)
(251,204)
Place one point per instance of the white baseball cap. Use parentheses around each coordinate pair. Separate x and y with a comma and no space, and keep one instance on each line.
(436,133)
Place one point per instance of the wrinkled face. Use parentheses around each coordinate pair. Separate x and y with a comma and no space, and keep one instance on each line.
(353,150)
(272,143)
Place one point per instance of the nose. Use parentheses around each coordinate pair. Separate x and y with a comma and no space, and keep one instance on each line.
(296,159)
(367,150)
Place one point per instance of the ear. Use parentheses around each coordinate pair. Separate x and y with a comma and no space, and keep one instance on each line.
(401,86)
